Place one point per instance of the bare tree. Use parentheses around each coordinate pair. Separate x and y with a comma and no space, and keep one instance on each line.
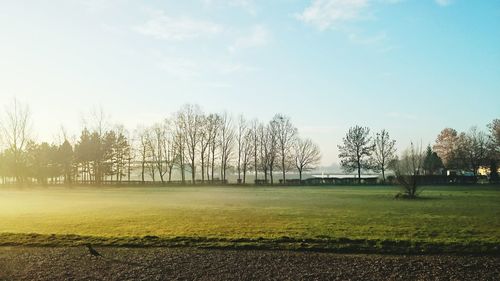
(241,132)
(270,139)
(476,148)
(356,150)
(384,151)
(285,136)
(307,155)
(204,135)
(192,120)
(213,125)
(121,149)
(254,130)
(246,156)
(180,145)
(494,134)
(151,152)
(159,148)
(16,131)
(494,149)
(143,147)
(408,170)
(226,140)
(264,154)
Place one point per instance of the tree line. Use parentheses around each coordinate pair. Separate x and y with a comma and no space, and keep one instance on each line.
(190,146)
(465,151)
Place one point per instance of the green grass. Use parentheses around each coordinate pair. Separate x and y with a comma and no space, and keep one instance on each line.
(365,219)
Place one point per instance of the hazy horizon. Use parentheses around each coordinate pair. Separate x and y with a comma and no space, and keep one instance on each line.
(411,67)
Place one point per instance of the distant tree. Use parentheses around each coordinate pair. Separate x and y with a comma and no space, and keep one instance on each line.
(264,152)
(356,150)
(226,142)
(170,152)
(143,147)
(432,162)
(408,170)
(241,132)
(446,146)
(159,140)
(83,155)
(109,156)
(307,155)
(5,169)
(180,145)
(285,138)
(494,133)
(37,161)
(158,148)
(65,158)
(213,128)
(384,150)
(271,148)
(151,153)
(247,150)
(15,129)
(122,154)
(476,149)
(205,137)
(494,149)
(192,120)
(254,130)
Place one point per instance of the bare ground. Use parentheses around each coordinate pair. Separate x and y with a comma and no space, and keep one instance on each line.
(74,263)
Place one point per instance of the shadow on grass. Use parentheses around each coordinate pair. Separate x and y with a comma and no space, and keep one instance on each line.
(422,198)
(319,244)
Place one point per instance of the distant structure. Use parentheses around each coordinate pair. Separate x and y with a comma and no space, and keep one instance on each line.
(342,179)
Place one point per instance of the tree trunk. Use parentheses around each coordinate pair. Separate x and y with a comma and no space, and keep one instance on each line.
(255,162)
(213,164)
(359,172)
(170,168)
(283,166)
(193,170)
(202,168)
(271,175)
(244,173)
(143,171)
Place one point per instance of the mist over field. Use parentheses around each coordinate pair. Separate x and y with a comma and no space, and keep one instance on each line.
(249,140)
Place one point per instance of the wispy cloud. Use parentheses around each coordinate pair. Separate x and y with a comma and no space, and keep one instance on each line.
(178,67)
(258,36)
(443,3)
(329,14)
(325,14)
(189,69)
(342,15)
(247,5)
(162,26)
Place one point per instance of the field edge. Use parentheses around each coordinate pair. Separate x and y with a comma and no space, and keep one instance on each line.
(336,245)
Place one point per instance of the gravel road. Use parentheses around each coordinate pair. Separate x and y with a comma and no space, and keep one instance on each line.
(69,263)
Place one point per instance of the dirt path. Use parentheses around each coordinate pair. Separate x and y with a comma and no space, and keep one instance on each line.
(26,263)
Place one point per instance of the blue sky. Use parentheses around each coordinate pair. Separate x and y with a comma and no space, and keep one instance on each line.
(413,67)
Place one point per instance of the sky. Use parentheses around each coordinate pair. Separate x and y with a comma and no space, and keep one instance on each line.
(412,67)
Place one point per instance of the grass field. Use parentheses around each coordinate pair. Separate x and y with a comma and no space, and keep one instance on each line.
(461,219)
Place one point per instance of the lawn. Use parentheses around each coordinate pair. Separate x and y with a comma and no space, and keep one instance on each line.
(462,219)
